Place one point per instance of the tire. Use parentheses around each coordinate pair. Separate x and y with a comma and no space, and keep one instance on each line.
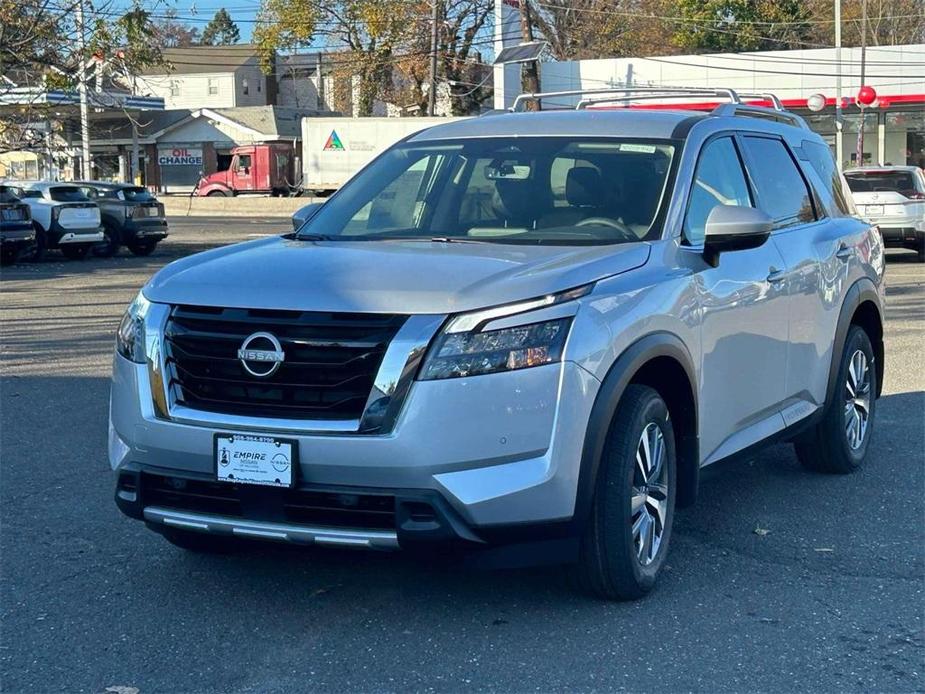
(217,194)
(839,442)
(9,256)
(76,251)
(109,246)
(612,564)
(36,251)
(142,249)
(921,250)
(201,543)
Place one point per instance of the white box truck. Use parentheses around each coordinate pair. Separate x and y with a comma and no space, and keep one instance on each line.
(333,149)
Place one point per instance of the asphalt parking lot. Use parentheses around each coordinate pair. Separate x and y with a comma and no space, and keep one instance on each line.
(829,595)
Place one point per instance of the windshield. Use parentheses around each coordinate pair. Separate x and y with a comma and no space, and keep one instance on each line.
(902,182)
(555,190)
(8,194)
(67,194)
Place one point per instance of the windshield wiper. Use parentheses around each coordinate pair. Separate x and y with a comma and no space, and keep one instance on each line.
(313,237)
(455,239)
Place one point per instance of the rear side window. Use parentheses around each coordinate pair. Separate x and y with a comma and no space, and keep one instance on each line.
(820,158)
(779,185)
(67,194)
(719,181)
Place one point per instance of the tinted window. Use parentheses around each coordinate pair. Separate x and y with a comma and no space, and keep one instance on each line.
(536,190)
(67,194)
(780,188)
(902,182)
(719,181)
(820,158)
(8,194)
(137,195)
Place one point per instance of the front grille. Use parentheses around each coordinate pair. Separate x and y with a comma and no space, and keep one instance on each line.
(300,506)
(331,361)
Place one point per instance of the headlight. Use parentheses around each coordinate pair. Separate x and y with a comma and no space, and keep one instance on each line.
(130,337)
(469,354)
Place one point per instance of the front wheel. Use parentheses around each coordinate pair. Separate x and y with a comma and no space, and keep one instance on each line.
(109,246)
(9,255)
(838,443)
(624,545)
(75,251)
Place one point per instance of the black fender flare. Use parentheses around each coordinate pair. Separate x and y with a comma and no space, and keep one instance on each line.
(619,376)
(859,292)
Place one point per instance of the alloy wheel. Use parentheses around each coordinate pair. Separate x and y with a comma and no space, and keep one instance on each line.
(857,399)
(649,500)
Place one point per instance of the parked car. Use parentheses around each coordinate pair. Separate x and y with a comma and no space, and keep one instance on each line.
(132,217)
(63,217)
(893,198)
(255,169)
(16,232)
(521,335)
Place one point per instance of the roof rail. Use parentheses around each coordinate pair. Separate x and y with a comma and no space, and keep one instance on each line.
(735,107)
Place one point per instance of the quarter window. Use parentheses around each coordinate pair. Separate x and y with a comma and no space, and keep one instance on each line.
(719,181)
(780,188)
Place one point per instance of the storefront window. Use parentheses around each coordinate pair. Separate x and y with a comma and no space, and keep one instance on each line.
(905,138)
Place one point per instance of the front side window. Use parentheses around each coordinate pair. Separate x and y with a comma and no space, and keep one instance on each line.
(719,181)
(781,191)
(532,190)
(244,162)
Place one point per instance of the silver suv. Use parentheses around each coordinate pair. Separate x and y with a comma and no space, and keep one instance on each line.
(520,335)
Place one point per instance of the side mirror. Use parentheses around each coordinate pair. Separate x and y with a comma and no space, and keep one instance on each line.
(734,228)
(303,214)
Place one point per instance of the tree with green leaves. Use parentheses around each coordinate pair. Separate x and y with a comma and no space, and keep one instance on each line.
(221,30)
(743,25)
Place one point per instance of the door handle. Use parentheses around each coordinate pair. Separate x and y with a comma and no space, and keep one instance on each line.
(776,275)
(843,252)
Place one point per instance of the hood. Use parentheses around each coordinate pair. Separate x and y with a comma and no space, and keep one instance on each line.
(383,276)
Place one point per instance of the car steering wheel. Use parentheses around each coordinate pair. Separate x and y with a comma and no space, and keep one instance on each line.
(609,222)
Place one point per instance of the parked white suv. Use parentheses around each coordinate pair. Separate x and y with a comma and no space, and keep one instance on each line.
(64,217)
(893,198)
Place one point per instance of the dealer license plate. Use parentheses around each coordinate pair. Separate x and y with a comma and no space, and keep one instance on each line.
(255,459)
(874,210)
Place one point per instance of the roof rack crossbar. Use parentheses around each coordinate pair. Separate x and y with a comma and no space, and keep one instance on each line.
(619,93)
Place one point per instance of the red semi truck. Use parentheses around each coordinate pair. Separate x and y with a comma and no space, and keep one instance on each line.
(265,168)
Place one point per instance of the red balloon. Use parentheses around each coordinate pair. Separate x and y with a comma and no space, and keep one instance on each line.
(867,95)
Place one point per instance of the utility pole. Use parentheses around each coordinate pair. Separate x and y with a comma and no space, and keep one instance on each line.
(86,163)
(839,118)
(432,96)
(860,152)
(530,78)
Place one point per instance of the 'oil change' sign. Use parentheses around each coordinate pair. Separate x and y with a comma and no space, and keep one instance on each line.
(179,156)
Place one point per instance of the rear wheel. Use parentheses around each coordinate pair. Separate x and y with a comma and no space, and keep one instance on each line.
(838,443)
(9,255)
(109,246)
(76,251)
(36,251)
(202,543)
(142,248)
(626,540)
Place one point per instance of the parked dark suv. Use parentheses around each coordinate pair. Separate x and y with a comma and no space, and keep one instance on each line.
(132,217)
(16,231)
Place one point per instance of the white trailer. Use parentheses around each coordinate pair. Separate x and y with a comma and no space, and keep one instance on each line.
(333,149)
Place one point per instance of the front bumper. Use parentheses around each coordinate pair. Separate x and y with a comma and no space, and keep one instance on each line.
(472,460)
